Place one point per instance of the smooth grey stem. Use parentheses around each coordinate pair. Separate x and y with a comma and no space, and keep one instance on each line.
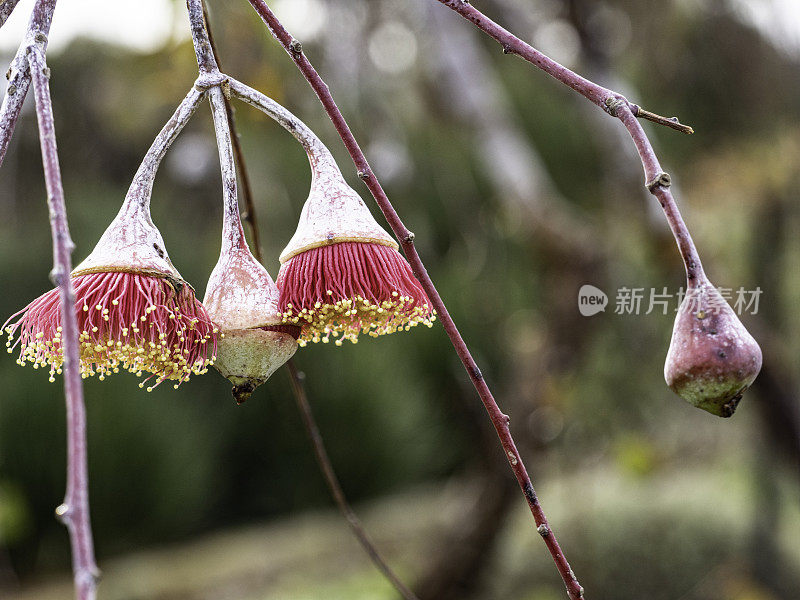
(74,512)
(19,78)
(6,8)
(318,154)
(232,231)
(138,195)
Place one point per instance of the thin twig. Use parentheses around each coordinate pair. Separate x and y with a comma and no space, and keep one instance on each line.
(6,8)
(656,180)
(74,511)
(298,387)
(671,122)
(406,238)
(19,76)
(227,142)
(249,215)
(511,44)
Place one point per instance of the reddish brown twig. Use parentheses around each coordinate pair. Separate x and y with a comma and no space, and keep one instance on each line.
(335,487)
(203,39)
(74,511)
(656,180)
(511,44)
(406,238)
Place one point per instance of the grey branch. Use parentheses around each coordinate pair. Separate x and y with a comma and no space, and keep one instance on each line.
(6,8)
(74,512)
(19,75)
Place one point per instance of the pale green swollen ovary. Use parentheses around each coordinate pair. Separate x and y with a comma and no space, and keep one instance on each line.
(707,392)
(252,355)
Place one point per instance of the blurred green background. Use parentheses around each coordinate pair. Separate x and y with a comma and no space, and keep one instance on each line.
(519,192)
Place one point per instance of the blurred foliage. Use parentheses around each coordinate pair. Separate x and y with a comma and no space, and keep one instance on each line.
(171,465)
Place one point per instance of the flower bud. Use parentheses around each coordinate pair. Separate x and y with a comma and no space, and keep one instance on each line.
(242,299)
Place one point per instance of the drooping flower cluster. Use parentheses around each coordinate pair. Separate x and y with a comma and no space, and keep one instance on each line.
(341,274)
(350,288)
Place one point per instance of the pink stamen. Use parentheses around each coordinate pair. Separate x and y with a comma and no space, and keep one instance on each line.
(350,288)
(136,322)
